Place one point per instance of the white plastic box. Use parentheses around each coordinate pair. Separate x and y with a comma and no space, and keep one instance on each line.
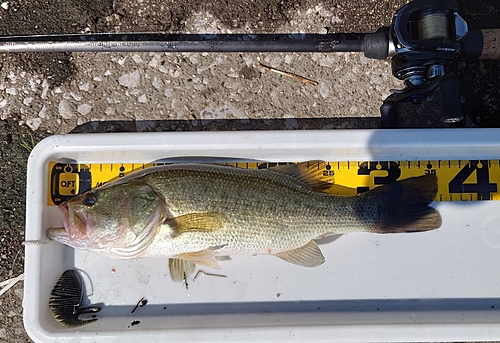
(442,285)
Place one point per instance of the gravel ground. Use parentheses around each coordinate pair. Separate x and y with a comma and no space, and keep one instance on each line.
(51,93)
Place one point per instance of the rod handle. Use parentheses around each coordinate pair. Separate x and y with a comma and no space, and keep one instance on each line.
(451,111)
(389,114)
(491,44)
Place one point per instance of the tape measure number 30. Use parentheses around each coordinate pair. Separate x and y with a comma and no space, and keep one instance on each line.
(458,180)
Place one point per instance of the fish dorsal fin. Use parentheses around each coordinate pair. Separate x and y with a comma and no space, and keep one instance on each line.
(180,269)
(308,255)
(205,258)
(311,173)
(204,222)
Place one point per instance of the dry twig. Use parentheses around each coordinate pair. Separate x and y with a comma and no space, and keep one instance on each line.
(293,76)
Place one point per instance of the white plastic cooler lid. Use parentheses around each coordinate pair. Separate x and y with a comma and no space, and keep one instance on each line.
(441,285)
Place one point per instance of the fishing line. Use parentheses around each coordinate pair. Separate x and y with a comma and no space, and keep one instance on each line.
(37,243)
(10,283)
(433,26)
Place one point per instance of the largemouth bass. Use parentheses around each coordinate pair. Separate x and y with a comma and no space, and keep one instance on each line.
(196,212)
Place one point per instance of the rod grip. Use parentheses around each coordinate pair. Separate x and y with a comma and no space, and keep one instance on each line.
(491,44)
(389,114)
(451,111)
(377,45)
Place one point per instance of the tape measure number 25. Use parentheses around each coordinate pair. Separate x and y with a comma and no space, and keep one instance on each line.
(458,180)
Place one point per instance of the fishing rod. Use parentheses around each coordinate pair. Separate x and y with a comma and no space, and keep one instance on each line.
(424,40)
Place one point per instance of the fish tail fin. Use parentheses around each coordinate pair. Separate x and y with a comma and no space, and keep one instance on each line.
(411,219)
(404,206)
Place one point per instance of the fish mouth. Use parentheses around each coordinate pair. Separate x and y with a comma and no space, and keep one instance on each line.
(57,233)
(60,233)
(64,208)
(75,223)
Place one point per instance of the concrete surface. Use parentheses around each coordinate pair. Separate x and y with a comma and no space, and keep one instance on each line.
(90,92)
(200,87)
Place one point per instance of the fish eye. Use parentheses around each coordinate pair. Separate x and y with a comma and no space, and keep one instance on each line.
(90,199)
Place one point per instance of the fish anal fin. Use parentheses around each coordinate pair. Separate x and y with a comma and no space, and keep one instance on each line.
(180,269)
(205,258)
(199,222)
(309,255)
(310,173)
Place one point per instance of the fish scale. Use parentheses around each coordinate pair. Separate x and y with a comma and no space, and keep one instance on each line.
(195,212)
(260,217)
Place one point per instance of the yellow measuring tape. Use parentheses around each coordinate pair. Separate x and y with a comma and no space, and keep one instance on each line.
(458,180)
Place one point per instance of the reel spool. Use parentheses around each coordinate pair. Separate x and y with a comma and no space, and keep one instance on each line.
(433,25)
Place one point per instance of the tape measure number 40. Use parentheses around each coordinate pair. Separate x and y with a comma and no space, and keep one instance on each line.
(458,180)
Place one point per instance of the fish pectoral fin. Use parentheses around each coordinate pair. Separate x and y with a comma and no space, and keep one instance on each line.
(180,269)
(310,173)
(204,222)
(205,258)
(309,255)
